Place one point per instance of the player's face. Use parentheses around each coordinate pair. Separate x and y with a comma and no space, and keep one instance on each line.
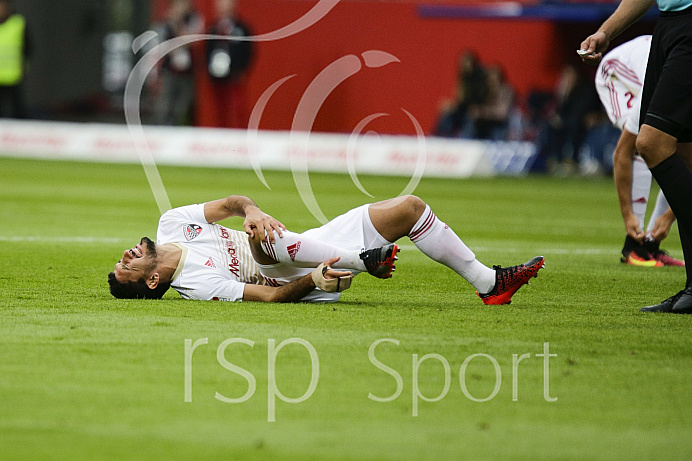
(137,262)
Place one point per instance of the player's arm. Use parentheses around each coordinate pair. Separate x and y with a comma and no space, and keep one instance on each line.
(291,292)
(623,156)
(323,277)
(256,221)
(626,14)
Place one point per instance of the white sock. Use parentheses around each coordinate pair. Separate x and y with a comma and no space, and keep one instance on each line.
(660,208)
(437,241)
(302,251)
(641,185)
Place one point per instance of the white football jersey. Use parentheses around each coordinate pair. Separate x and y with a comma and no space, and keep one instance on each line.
(216,262)
(619,82)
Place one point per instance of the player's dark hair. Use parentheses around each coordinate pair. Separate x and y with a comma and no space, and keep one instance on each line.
(136,290)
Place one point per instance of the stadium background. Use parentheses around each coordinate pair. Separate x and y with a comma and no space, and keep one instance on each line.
(85,376)
(427,37)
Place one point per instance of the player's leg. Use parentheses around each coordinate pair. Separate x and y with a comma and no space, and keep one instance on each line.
(667,117)
(411,217)
(342,237)
(660,207)
(666,113)
(634,252)
(301,250)
(672,175)
(653,244)
(641,186)
(685,151)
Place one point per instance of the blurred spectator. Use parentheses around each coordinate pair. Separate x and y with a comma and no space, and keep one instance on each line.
(471,90)
(177,94)
(562,128)
(596,151)
(15,49)
(227,63)
(489,119)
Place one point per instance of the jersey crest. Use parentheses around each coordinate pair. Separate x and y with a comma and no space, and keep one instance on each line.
(191,231)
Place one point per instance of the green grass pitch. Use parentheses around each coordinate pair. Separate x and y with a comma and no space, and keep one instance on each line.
(85,376)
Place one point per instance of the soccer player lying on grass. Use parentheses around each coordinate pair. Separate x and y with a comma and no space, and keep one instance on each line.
(266,262)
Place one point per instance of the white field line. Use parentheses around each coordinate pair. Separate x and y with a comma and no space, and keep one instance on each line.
(544,250)
(39,239)
(566,251)
(560,251)
(85,239)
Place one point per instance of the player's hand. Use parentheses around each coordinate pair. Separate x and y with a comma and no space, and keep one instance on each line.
(332,273)
(632,228)
(330,280)
(594,45)
(662,226)
(259,223)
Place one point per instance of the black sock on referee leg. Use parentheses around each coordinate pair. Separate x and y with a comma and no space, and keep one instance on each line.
(675,179)
(687,253)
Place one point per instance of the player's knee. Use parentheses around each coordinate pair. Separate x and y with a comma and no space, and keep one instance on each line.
(654,146)
(645,146)
(414,205)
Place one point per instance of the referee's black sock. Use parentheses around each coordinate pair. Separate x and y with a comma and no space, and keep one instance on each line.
(675,180)
(686,251)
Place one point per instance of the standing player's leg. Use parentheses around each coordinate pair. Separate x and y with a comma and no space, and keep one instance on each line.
(410,216)
(660,207)
(671,173)
(641,187)
(685,152)
(634,252)
(652,243)
(666,114)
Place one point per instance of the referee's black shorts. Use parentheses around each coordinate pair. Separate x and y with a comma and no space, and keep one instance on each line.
(667,93)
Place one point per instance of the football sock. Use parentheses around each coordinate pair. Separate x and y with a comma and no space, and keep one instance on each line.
(641,185)
(660,208)
(686,251)
(437,241)
(631,245)
(303,251)
(675,180)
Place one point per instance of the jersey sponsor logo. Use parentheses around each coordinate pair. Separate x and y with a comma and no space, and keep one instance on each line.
(293,250)
(234,265)
(210,263)
(191,231)
(224,234)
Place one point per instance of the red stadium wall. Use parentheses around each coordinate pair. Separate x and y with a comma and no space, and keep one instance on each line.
(532,53)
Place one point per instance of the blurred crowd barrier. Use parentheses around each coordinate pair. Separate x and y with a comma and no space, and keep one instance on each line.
(265,150)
